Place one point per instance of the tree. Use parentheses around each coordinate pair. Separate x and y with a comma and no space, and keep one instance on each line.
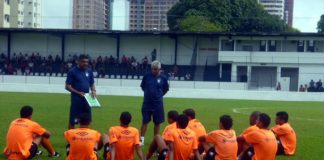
(320,25)
(198,24)
(225,15)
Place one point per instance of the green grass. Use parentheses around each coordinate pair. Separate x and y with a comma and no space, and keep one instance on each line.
(51,111)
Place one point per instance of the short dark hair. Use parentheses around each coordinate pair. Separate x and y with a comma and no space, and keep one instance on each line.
(173,115)
(83,56)
(226,121)
(255,114)
(190,113)
(265,120)
(282,115)
(26,111)
(182,121)
(85,119)
(125,118)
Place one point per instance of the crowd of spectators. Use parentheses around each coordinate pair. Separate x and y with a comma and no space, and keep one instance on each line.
(35,64)
(312,87)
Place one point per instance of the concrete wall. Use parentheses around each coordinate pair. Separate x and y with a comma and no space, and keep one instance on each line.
(29,43)
(141,46)
(210,90)
(94,45)
(310,72)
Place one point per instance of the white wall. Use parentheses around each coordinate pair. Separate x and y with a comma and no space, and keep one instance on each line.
(141,46)
(207,50)
(94,45)
(44,44)
(205,90)
(310,72)
(186,46)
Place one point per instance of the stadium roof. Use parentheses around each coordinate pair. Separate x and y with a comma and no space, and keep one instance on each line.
(110,32)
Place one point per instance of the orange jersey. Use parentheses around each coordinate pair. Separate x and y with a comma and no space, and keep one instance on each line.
(225,144)
(287,136)
(168,128)
(20,138)
(264,143)
(196,126)
(184,141)
(126,140)
(82,143)
(249,130)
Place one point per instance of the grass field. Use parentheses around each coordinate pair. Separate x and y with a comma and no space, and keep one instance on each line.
(51,111)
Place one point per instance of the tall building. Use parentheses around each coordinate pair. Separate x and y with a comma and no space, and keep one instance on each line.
(25,13)
(17,14)
(32,13)
(289,12)
(120,14)
(4,13)
(274,7)
(150,15)
(90,14)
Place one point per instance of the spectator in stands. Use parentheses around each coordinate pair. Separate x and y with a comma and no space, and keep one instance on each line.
(153,54)
(319,85)
(311,86)
(278,88)
(188,76)
(175,70)
(306,88)
(145,62)
(301,88)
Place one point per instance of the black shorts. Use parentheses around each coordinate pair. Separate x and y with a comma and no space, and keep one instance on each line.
(149,110)
(280,150)
(78,107)
(33,150)
(106,151)
(248,154)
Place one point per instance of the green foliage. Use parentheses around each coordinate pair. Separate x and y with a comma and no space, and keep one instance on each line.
(226,15)
(196,23)
(51,111)
(320,24)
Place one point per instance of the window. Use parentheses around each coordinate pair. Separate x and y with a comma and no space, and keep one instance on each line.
(272,46)
(7,17)
(300,46)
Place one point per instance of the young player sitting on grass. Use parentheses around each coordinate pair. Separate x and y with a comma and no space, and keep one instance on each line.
(222,141)
(24,137)
(263,141)
(182,141)
(285,134)
(253,121)
(123,141)
(83,142)
(158,144)
(196,126)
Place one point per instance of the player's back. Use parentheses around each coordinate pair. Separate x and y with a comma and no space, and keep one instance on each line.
(20,138)
(287,136)
(225,144)
(168,128)
(264,143)
(249,130)
(82,143)
(196,126)
(126,139)
(184,141)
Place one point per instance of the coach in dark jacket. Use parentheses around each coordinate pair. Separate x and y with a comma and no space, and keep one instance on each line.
(154,86)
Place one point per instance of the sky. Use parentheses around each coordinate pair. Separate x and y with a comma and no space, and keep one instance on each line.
(58,14)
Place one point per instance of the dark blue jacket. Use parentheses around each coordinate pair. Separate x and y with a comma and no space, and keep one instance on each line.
(80,79)
(154,87)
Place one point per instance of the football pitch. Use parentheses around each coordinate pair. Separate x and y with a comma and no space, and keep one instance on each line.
(51,111)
